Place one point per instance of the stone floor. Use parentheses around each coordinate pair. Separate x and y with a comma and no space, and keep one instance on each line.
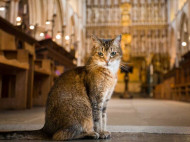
(148,112)
(128,120)
(133,137)
(135,112)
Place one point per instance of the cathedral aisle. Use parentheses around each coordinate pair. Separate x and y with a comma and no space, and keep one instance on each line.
(134,112)
(129,120)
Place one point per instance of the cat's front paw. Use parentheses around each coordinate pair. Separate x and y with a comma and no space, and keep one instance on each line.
(92,135)
(105,135)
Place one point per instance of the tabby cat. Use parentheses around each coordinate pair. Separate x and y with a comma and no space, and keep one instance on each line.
(76,104)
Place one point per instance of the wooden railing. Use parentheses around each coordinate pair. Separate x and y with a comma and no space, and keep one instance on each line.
(176,83)
(28,67)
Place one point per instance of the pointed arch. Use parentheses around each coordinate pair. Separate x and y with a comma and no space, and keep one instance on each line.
(183,32)
(61,11)
(172,46)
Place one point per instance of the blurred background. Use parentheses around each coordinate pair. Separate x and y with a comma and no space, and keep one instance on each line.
(40,39)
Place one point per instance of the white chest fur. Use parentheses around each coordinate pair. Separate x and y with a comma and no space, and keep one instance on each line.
(114,66)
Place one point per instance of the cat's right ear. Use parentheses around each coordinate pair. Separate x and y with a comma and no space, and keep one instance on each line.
(95,41)
(94,38)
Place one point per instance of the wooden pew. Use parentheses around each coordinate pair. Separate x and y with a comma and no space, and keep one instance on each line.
(182,81)
(43,80)
(177,85)
(17,54)
(14,79)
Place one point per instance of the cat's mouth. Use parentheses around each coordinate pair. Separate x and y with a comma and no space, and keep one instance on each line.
(107,64)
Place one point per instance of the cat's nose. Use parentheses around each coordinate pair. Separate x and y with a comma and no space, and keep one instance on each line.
(107,61)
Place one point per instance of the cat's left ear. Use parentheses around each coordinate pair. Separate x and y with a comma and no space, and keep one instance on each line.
(117,40)
(95,41)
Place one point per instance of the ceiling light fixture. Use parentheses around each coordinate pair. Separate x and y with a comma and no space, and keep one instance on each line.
(67,37)
(2,8)
(58,36)
(42,34)
(18,19)
(31,27)
(48,22)
(184,43)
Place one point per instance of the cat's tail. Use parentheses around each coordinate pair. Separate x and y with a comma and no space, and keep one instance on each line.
(24,135)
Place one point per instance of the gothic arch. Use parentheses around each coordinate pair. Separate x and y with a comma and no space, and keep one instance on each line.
(172,49)
(43,6)
(61,11)
(23,11)
(72,21)
(58,19)
(73,28)
(183,32)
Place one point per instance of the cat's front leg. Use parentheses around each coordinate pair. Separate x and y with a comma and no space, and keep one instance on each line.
(97,116)
(104,133)
(104,116)
(97,102)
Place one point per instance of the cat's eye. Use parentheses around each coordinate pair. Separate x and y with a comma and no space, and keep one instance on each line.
(113,54)
(100,54)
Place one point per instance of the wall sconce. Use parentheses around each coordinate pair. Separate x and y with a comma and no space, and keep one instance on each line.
(18,19)
(42,34)
(48,22)
(32,27)
(2,8)
(58,36)
(184,43)
(67,37)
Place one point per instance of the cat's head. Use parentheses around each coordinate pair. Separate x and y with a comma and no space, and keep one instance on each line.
(106,52)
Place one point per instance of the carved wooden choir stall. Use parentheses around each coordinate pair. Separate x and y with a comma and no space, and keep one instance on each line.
(28,67)
(176,84)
